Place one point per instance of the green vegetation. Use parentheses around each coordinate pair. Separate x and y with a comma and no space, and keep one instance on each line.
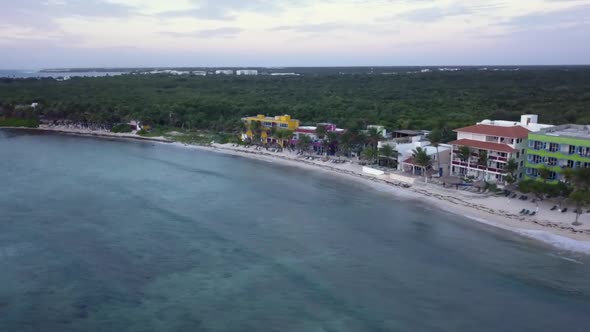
(443,100)
(388,153)
(16,122)
(422,159)
(576,189)
(121,128)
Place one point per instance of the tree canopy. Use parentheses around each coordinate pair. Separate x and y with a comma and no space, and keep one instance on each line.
(443,100)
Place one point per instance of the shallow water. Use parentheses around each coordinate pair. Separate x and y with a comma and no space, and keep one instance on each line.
(107,235)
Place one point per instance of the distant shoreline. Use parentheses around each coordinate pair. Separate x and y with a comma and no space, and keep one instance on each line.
(495,211)
(90,133)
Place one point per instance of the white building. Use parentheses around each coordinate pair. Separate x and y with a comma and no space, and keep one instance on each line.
(528,121)
(247,72)
(492,144)
(406,151)
(199,73)
(224,72)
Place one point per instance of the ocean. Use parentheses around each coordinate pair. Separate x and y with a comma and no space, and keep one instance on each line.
(112,235)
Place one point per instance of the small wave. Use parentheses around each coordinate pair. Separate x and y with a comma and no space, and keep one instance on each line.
(557,241)
(565,258)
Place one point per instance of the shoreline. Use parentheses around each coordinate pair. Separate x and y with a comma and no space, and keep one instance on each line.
(91,133)
(492,211)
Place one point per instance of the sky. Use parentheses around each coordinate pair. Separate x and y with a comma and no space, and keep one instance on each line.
(132,33)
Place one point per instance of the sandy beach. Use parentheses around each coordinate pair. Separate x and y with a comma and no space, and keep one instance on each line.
(552,227)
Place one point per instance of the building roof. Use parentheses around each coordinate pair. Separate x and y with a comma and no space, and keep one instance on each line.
(502,131)
(484,145)
(410,132)
(568,130)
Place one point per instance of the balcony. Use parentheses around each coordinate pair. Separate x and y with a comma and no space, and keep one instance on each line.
(478,167)
(498,158)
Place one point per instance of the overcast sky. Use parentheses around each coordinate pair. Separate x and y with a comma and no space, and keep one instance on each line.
(105,33)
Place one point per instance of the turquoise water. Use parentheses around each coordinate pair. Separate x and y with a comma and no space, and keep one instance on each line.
(105,235)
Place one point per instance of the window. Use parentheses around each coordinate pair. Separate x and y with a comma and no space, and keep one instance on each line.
(570,164)
(283,125)
(532,172)
(517,155)
(553,147)
(522,151)
(534,159)
(552,161)
(522,163)
(536,145)
(267,124)
(572,149)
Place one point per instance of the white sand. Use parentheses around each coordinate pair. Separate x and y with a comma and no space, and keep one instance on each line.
(551,227)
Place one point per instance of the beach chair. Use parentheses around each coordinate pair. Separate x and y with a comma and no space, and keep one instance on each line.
(522,211)
(533,213)
(554,208)
(564,210)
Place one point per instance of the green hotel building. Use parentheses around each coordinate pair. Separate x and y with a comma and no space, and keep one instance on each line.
(564,146)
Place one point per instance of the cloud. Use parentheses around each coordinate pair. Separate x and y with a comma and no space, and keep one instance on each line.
(319,27)
(225,9)
(579,15)
(433,14)
(225,32)
(40,16)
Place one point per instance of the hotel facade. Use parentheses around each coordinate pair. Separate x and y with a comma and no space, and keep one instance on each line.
(267,123)
(557,148)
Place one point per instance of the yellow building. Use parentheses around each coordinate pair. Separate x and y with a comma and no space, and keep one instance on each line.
(268,122)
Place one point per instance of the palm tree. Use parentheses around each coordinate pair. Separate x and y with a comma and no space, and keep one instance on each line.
(388,153)
(374,135)
(465,155)
(274,134)
(435,138)
(369,154)
(544,173)
(283,135)
(580,181)
(321,131)
(304,143)
(580,198)
(483,158)
(511,167)
(256,130)
(421,159)
(326,146)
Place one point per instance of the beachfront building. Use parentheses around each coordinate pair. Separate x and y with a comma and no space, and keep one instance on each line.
(247,72)
(311,132)
(409,133)
(224,72)
(492,144)
(557,148)
(405,153)
(267,123)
